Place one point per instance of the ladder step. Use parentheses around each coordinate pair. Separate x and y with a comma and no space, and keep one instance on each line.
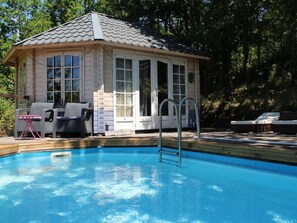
(168,152)
(169,160)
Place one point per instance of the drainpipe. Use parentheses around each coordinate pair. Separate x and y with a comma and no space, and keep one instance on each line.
(16,90)
(197,83)
(34,75)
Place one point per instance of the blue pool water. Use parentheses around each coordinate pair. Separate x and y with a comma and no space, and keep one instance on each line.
(130,185)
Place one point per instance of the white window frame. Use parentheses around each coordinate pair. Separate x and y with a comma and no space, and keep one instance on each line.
(81,77)
(125,119)
(179,84)
(134,122)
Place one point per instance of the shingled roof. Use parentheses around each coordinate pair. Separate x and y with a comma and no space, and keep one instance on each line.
(100,27)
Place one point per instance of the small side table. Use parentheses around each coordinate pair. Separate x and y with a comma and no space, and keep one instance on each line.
(28,119)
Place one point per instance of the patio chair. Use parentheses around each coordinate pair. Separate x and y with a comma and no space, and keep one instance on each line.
(262,124)
(76,119)
(43,123)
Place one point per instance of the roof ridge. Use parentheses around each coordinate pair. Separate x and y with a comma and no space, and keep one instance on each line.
(97,30)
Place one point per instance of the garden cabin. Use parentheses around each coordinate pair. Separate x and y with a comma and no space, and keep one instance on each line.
(124,70)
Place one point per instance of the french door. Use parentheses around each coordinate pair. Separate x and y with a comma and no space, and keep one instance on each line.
(141,84)
(155,85)
(145,95)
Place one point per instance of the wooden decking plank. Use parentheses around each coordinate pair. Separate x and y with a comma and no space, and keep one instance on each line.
(245,149)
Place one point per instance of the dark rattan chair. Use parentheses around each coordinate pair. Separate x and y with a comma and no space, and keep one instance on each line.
(76,119)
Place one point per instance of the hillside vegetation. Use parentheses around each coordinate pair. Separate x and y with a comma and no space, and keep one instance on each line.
(252,47)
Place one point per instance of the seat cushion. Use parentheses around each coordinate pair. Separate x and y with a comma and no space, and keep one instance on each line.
(284,122)
(267,117)
(69,118)
(243,122)
(38,107)
(74,109)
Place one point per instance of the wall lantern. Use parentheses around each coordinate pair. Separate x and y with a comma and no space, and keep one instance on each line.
(191,77)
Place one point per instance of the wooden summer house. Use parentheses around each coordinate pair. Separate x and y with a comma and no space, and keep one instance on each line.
(123,70)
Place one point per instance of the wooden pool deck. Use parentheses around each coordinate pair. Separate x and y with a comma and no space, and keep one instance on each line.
(267,146)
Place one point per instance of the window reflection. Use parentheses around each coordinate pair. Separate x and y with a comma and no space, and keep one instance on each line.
(124,87)
(145,87)
(63,69)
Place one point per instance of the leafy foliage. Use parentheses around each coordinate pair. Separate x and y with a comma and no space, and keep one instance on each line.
(252,45)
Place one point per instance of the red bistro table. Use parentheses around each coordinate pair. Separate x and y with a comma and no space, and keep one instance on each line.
(28,119)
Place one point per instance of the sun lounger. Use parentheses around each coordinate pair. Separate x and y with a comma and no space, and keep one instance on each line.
(262,124)
(287,123)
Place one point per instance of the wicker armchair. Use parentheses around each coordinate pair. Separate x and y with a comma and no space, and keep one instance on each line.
(76,118)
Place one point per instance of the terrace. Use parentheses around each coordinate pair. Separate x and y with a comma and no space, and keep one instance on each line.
(266,146)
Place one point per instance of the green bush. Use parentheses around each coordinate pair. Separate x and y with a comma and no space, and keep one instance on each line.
(7,116)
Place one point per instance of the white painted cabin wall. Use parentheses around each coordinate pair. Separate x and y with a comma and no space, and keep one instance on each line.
(88,74)
(108,88)
(29,69)
(97,80)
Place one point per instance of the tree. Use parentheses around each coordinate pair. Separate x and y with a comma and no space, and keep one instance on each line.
(61,11)
(18,20)
(252,44)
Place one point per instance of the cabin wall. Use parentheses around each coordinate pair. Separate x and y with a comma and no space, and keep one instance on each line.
(89,74)
(98,93)
(40,75)
(97,78)
(194,87)
(36,66)
(102,64)
(29,81)
(108,89)
(21,80)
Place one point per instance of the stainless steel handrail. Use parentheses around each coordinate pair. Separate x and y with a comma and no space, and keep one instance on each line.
(160,127)
(196,113)
(179,125)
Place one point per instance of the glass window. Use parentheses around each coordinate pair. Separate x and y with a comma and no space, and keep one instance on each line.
(175,69)
(162,86)
(68,61)
(124,87)
(75,61)
(145,87)
(67,85)
(67,73)
(120,75)
(72,78)
(57,60)
(50,85)
(120,63)
(50,62)
(75,72)
(179,85)
(129,87)
(120,99)
(63,78)
(50,74)
(53,71)
(57,73)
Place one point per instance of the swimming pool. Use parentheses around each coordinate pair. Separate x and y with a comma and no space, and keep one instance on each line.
(130,185)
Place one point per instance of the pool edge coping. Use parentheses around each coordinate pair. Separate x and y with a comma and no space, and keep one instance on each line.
(253,149)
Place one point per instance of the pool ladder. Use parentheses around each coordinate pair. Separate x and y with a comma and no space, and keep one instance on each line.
(176,152)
